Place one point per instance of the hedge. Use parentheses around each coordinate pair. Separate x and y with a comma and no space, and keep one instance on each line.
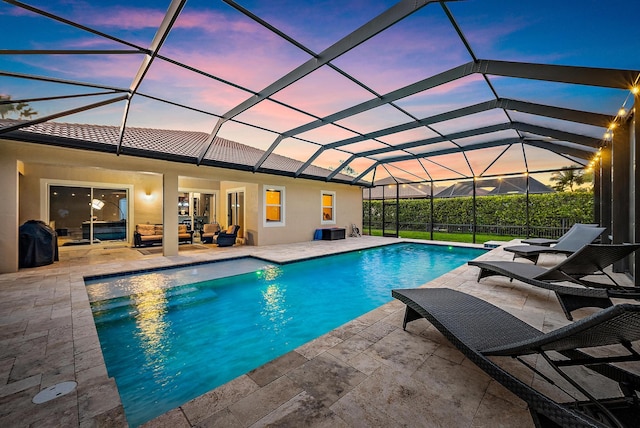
(559,209)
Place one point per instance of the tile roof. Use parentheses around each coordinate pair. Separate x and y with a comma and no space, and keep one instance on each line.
(170,144)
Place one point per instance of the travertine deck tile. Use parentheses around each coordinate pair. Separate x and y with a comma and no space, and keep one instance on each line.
(368,372)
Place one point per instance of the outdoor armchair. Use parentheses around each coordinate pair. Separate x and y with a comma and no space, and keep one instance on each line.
(481,330)
(590,260)
(209,232)
(228,237)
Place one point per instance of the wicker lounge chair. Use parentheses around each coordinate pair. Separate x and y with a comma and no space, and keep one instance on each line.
(592,259)
(571,242)
(480,330)
(548,242)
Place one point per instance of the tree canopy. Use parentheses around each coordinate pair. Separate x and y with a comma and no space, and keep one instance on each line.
(19,110)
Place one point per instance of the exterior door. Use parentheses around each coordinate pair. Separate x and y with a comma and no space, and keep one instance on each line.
(235,210)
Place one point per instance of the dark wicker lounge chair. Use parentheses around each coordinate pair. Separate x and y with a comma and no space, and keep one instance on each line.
(480,330)
(548,242)
(571,242)
(592,259)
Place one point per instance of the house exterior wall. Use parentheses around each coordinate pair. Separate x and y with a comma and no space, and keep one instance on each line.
(145,176)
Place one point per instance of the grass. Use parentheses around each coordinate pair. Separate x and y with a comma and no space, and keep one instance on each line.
(443,236)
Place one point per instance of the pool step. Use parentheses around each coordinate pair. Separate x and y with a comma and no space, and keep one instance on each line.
(125,307)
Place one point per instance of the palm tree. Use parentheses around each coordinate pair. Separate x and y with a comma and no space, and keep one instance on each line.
(568,177)
(5,108)
(21,109)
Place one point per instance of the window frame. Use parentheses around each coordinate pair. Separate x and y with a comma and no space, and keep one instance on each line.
(269,188)
(333,207)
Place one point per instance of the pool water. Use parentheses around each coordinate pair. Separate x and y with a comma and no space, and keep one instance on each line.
(166,344)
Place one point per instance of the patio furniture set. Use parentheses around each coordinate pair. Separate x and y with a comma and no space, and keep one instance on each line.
(600,344)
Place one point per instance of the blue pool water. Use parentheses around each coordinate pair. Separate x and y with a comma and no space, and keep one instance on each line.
(172,335)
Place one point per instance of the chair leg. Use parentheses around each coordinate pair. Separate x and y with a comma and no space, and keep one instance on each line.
(409,315)
(570,303)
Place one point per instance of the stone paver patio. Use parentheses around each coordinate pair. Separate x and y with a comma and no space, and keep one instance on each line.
(368,372)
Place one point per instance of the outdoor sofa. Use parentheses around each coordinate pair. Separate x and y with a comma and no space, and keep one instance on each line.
(150,234)
(484,333)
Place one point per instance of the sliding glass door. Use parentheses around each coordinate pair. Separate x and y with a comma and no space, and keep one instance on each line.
(85,215)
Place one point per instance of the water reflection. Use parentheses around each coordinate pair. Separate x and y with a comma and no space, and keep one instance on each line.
(274,297)
(152,328)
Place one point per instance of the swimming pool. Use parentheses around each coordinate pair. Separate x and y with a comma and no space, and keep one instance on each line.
(169,336)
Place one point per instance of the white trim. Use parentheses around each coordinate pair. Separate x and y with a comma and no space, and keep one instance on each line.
(282,190)
(242,190)
(333,207)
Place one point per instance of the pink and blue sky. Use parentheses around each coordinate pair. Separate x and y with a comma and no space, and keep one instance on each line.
(245,57)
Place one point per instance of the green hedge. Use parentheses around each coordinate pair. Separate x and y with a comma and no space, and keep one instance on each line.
(545,210)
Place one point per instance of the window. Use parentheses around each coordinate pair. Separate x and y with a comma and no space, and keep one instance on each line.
(273,206)
(328,203)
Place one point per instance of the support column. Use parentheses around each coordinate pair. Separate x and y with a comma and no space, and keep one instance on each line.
(9,177)
(474,221)
(170,214)
(620,161)
(605,191)
(635,185)
(597,196)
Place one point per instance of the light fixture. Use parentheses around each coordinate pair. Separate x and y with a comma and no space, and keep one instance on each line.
(97,204)
(635,90)
(622,112)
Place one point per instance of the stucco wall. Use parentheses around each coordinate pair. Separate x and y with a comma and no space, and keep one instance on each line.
(146,176)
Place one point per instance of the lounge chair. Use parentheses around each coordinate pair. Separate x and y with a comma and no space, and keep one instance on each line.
(228,237)
(548,242)
(591,259)
(571,242)
(481,330)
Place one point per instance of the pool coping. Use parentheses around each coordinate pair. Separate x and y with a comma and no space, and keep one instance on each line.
(48,308)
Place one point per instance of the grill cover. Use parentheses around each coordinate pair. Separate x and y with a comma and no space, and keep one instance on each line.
(38,244)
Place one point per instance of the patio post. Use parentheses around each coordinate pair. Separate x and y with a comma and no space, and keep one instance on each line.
(605,191)
(398,210)
(473,226)
(9,240)
(528,233)
(597,197)
(431,210)
(635,180)
(620,160)
(370,211)
(170,214)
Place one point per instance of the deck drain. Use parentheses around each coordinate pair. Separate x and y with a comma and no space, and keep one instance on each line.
(54,391)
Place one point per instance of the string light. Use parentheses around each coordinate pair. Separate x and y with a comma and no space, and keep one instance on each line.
(622,112)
